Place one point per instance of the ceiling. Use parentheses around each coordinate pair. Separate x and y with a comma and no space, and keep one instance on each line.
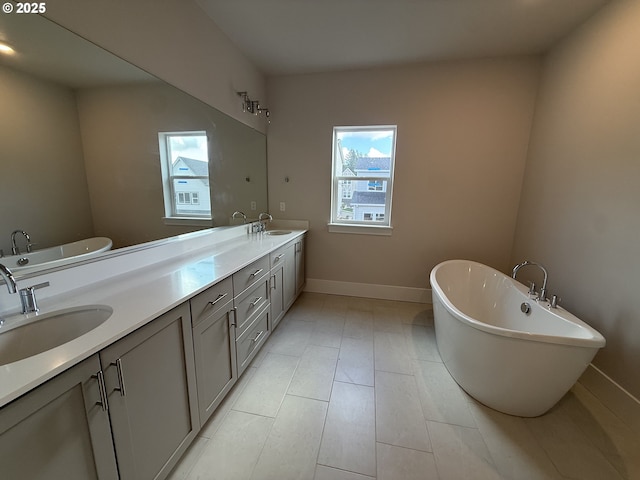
(305,36)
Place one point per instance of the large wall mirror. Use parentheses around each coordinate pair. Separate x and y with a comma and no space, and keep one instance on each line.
(80,154)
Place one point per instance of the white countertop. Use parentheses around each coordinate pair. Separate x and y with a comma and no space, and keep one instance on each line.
(136,297)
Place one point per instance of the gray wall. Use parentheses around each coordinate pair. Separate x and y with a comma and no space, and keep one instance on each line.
(463,131)
(43,188)
(579,214)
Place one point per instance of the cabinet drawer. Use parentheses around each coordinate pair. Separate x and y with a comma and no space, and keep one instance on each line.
(249,275)
(251,340)
(277,257)
(211,300)
(250,303)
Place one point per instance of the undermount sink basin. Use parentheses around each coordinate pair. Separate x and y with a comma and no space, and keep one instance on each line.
(48,331)
(277,232)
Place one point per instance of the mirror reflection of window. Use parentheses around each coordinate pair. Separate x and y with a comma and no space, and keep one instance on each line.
(185,174)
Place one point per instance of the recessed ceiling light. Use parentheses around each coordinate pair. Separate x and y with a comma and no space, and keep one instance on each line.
(6,49)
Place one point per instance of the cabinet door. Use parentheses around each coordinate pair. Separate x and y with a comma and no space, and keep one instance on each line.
(59,430)
(289,279)
(150,381)
(299,256)
(214,345)
(276,285)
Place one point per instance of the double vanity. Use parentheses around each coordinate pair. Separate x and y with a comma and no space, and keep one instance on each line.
(185,317)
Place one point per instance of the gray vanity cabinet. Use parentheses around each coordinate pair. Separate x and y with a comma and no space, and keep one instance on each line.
(130,411)
(150,383)
(214,345)
(59,430)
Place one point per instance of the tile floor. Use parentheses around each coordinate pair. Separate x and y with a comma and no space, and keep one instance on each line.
(354,389)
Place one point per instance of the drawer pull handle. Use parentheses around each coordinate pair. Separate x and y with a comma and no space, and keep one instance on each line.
(255,302)
(257,337)
(103,391)
(121,388)
(277,259)
(257,272)
(220,297)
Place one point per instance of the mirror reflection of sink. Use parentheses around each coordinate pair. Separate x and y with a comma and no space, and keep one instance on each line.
(277,232)
(48,331)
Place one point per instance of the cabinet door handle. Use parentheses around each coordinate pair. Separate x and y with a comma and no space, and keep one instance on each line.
(103,391)
(255,302)
(273,285)
(121,388)
(219,297)
(257,272)
(257,337)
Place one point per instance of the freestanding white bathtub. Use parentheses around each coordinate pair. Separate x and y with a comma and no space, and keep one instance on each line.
(511,361)
(58,255)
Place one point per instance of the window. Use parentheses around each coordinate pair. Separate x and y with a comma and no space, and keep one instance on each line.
(361,190)
(188,198)
(376,217)
(184,160)
(375,186)
(347,189)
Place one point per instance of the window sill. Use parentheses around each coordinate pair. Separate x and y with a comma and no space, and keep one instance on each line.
(188,221)
(360,229)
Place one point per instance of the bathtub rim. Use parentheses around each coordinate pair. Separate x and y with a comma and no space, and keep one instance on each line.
(595,340)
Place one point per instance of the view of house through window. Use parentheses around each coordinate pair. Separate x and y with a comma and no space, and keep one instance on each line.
(185,174)
(363,161)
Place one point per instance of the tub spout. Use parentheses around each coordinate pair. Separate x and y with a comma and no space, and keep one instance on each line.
(14,246)
(9,279)
(543,290)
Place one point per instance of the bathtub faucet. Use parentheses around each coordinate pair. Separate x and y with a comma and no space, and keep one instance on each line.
(14,246)
(543,290)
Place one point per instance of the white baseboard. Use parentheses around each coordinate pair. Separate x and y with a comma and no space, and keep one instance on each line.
(624,405)
(368,290)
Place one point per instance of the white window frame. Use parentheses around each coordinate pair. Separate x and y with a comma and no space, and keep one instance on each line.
(373,227)
(171,200)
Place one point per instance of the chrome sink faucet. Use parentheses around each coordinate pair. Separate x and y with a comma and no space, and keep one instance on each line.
(262,225)
(265,216)
(14,246)
(543,290)
(237,214)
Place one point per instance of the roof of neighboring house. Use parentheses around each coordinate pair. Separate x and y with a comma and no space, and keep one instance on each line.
(368,198)
(347,172)
(198,167)
(373,163)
